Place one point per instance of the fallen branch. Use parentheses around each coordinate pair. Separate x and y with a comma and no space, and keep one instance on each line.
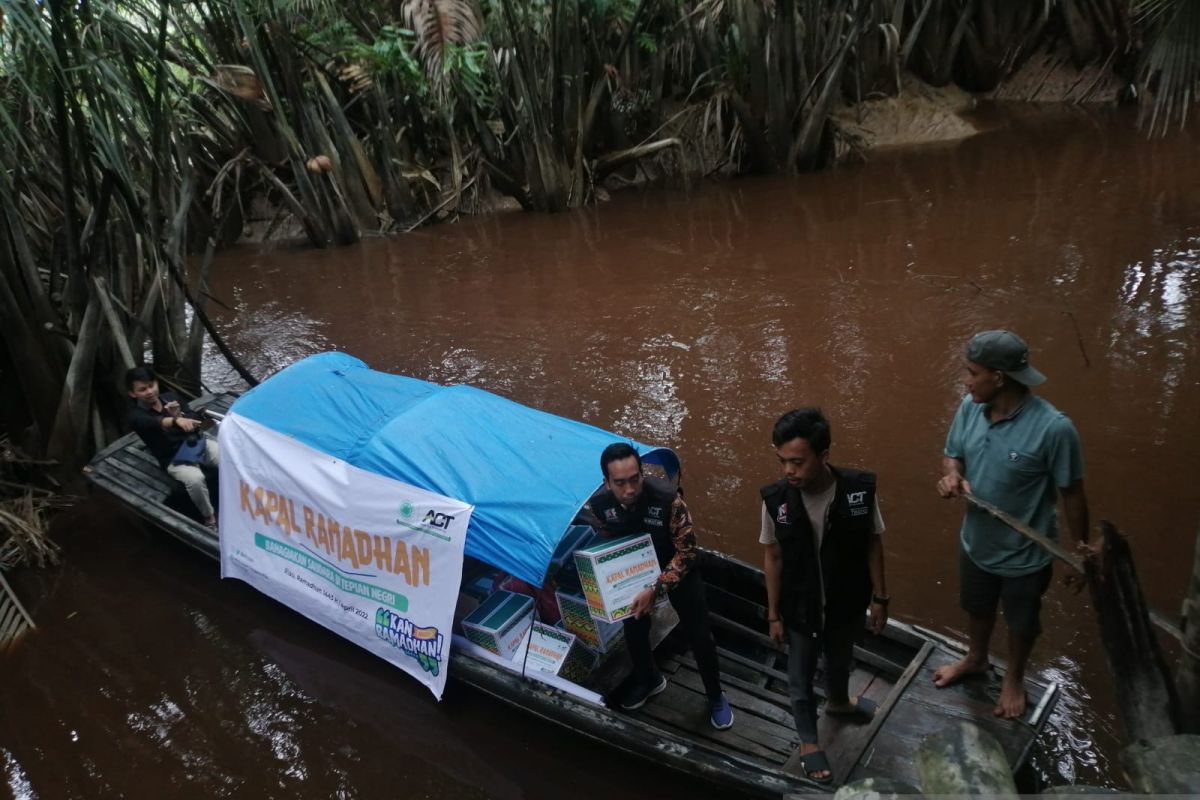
(453,196)
(612,161)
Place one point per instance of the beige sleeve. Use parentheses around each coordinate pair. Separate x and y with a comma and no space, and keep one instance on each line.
(766,531)
(879,526)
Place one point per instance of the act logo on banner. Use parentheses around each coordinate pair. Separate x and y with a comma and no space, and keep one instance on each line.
(371,558)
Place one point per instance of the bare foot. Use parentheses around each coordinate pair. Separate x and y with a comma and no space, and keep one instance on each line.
(818,774)
(1012,700)
(963,668)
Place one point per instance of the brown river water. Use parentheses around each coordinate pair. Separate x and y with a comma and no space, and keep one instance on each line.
(690,318)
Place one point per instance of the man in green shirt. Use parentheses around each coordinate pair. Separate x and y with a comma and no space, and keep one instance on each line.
(1018,452)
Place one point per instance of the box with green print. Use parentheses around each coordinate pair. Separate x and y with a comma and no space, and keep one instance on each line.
(577,618)
(500,623)
(613,572)
(555,651)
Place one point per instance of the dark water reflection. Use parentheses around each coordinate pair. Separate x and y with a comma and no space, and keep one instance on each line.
(690,319)
(151,678)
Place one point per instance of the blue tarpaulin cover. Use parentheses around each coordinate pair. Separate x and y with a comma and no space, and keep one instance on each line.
(526,472)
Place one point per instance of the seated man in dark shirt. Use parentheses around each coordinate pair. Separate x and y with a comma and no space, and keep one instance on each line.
(173,437)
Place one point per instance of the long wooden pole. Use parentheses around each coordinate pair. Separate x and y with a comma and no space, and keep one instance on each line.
(1187,674)
(1051,547)
(1077,564)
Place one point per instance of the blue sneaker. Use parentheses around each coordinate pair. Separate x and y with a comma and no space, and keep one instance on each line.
(638,695)
(722,713)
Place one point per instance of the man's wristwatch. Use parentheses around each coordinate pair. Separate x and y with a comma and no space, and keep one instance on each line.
(881,599)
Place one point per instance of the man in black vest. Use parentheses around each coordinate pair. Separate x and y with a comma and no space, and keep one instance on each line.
(824,567)
(630,504)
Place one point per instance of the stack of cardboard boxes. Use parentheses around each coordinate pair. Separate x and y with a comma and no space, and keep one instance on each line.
(499,625)
(597,582)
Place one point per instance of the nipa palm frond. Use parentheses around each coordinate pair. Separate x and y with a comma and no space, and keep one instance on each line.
(440,25)
(1169,72)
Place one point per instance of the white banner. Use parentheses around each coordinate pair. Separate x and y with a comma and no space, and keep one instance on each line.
(371,558)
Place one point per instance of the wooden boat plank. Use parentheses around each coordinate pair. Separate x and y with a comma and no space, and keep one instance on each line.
(138,450)
(911,720)
(150,469)
(740,670)
(665,745)
(960,700)
(180,526)
(759,667)
(687,710)
(126,494)
(892,759)
(740,699)
(891,753)
(860,678)
(721,623)
(134,450)
(137,455)
(768,695)
(885,708)
(896,649)
(1036,687)
(150,474)
(840,736)
(140,461)
(774,736)
(905,634)
(1011,735)
(119,474)
(133,482)
(191,533)
(976,696)
(130,450)
(731,604)
(860,653)
(893,669)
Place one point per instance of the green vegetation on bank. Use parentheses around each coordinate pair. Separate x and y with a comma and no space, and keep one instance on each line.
(137,133)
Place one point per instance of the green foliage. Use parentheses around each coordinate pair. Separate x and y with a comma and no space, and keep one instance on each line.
(339,36)
(469,67)
(133,129)
(390,55)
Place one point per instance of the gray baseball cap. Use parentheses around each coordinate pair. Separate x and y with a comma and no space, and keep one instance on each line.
(1006,352)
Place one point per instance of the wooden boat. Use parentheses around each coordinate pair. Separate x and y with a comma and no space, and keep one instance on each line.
(758,755)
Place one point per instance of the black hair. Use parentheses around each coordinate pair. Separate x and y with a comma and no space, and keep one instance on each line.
(143,374)
(808,424)
(618,451)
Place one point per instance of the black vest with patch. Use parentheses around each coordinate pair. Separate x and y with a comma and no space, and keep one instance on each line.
(849,526)
(651,514)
